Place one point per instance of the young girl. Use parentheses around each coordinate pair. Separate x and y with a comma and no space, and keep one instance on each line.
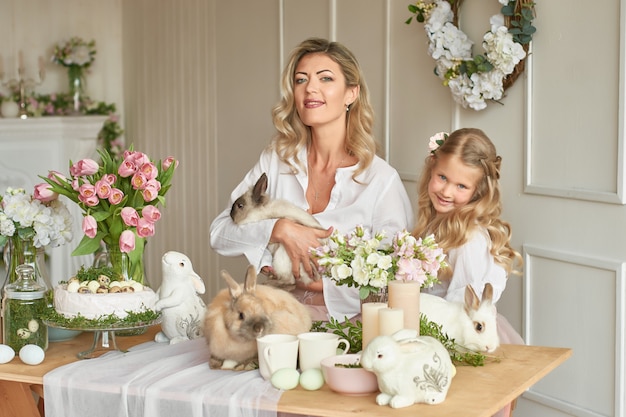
(459,201)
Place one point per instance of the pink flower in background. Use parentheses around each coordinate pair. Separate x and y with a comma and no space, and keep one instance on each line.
(126,169)
(411,270)
(151,213)
(103,189)
(84,167)
(168,162)
(130,216)
(53,175)
(138,181)
(109,178)
(44,193)
(90,226)
(149,171)
(145,228)
(116,196)
(127,241)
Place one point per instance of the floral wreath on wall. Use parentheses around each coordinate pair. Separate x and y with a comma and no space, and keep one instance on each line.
(475,79)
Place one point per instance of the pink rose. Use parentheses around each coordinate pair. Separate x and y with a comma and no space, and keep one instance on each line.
(103,189)
(126,169)
(436,141)
(90,226)
(43,193)
(138,181)
(149,171)
(151,213)
(57,177)
(116,196)
(84,167)
(127,241)
(145,228)
(130,216)
(168,162)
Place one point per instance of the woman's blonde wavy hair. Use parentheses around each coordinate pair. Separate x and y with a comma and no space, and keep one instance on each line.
(292,135)
(452,230)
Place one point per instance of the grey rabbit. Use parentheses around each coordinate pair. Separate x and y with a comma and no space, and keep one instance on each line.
(255,205)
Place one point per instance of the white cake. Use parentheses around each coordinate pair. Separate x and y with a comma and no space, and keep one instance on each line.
(93,306)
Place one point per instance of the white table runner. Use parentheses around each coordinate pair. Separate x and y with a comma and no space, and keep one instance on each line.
(156,380)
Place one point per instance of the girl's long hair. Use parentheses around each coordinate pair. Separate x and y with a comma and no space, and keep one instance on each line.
(292,135)
(453,229)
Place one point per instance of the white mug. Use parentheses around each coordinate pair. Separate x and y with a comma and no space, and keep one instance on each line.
(277,351)
(315,346)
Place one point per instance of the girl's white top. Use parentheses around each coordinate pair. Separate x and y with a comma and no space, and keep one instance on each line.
(472,264)
(378,202)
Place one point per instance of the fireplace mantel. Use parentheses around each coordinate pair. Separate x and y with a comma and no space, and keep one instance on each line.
(32,147)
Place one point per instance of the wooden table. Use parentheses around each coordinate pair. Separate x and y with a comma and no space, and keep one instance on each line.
(475,392)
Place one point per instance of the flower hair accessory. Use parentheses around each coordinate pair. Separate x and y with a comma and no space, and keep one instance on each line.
(436,141)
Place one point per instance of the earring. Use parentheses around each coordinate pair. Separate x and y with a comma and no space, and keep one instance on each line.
(347,107)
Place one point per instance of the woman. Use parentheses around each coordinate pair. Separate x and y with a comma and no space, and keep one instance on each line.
(323,159)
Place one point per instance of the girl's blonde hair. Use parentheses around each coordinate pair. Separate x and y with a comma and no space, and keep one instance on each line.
(453,229)
(292,135)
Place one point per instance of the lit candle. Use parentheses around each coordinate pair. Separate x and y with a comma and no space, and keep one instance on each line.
(406,295)
(390,320)
(369,317)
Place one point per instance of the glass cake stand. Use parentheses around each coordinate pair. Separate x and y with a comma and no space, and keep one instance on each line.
(104,337)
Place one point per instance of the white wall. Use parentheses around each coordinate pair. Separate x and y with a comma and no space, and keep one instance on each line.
(200,77)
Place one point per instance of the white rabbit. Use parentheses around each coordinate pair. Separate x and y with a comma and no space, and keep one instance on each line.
(472,324)
(241,313)
(182,308)
(255,205)
(409,368)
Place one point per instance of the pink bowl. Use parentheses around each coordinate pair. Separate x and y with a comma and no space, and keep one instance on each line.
(348,381)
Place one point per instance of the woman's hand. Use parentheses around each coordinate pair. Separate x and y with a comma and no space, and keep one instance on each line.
(298,241)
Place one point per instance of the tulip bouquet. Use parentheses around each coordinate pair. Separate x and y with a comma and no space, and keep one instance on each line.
(358,260)
(119,198)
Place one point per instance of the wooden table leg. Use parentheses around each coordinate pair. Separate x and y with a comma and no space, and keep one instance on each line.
(16,400)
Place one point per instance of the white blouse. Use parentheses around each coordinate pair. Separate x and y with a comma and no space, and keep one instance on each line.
(378,202)
(473,264)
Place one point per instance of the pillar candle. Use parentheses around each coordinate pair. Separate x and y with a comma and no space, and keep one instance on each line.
(390,320)
(406,295)
(369,317)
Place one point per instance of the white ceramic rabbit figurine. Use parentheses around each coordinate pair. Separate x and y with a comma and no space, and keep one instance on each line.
(255,205)
(471,324)
(410,368)
(182,308)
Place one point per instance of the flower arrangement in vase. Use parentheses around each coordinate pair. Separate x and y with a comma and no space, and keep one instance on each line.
(359,260)
(76,55)
(119,199)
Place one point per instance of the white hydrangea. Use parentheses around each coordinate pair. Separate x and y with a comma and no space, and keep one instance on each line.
(502,51)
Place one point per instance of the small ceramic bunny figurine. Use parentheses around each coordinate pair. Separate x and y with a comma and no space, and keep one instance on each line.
(182,308)
(410,368)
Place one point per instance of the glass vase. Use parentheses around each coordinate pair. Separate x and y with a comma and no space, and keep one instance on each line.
(127,265)
(76,77)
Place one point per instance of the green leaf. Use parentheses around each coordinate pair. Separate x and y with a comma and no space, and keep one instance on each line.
(363,292)
(413,8)
(88,245)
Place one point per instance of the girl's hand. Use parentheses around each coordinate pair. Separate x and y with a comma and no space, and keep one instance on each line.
(298,241)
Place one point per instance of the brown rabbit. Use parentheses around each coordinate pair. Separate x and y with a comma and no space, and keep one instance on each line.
(239,314)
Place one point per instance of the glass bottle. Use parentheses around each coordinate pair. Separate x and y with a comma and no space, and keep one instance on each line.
(23,304)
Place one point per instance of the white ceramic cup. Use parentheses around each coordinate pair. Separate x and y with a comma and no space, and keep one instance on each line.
(315,346)
(277,351)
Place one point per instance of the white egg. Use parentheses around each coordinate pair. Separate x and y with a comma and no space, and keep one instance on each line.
(6,353)
(93,286)
(285,379)
(136,286)
(73,286)
(32,354)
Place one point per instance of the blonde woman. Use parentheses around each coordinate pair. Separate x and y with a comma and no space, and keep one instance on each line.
(323,159)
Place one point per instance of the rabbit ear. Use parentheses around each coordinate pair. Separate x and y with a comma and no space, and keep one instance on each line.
(259,189)
(250,279)
(471,299)
(233,287)
(487,293)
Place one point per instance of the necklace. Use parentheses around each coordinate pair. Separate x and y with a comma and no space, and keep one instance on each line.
(324,187)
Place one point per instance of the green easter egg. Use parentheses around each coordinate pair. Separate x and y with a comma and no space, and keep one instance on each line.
(312,379)
(285,379)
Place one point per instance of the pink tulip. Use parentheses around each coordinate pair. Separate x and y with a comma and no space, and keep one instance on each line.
(75,185)
(84,167)
(168,162)
(151,213)
(149,170)
(90,226)
(56,176)
(127,241)
(103,189)
(116,196)
(145,228)
(91,201)
(139,158)
(138,181)
(150,193)
(44,193)
(130,216)
(126,169)
(109,178)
